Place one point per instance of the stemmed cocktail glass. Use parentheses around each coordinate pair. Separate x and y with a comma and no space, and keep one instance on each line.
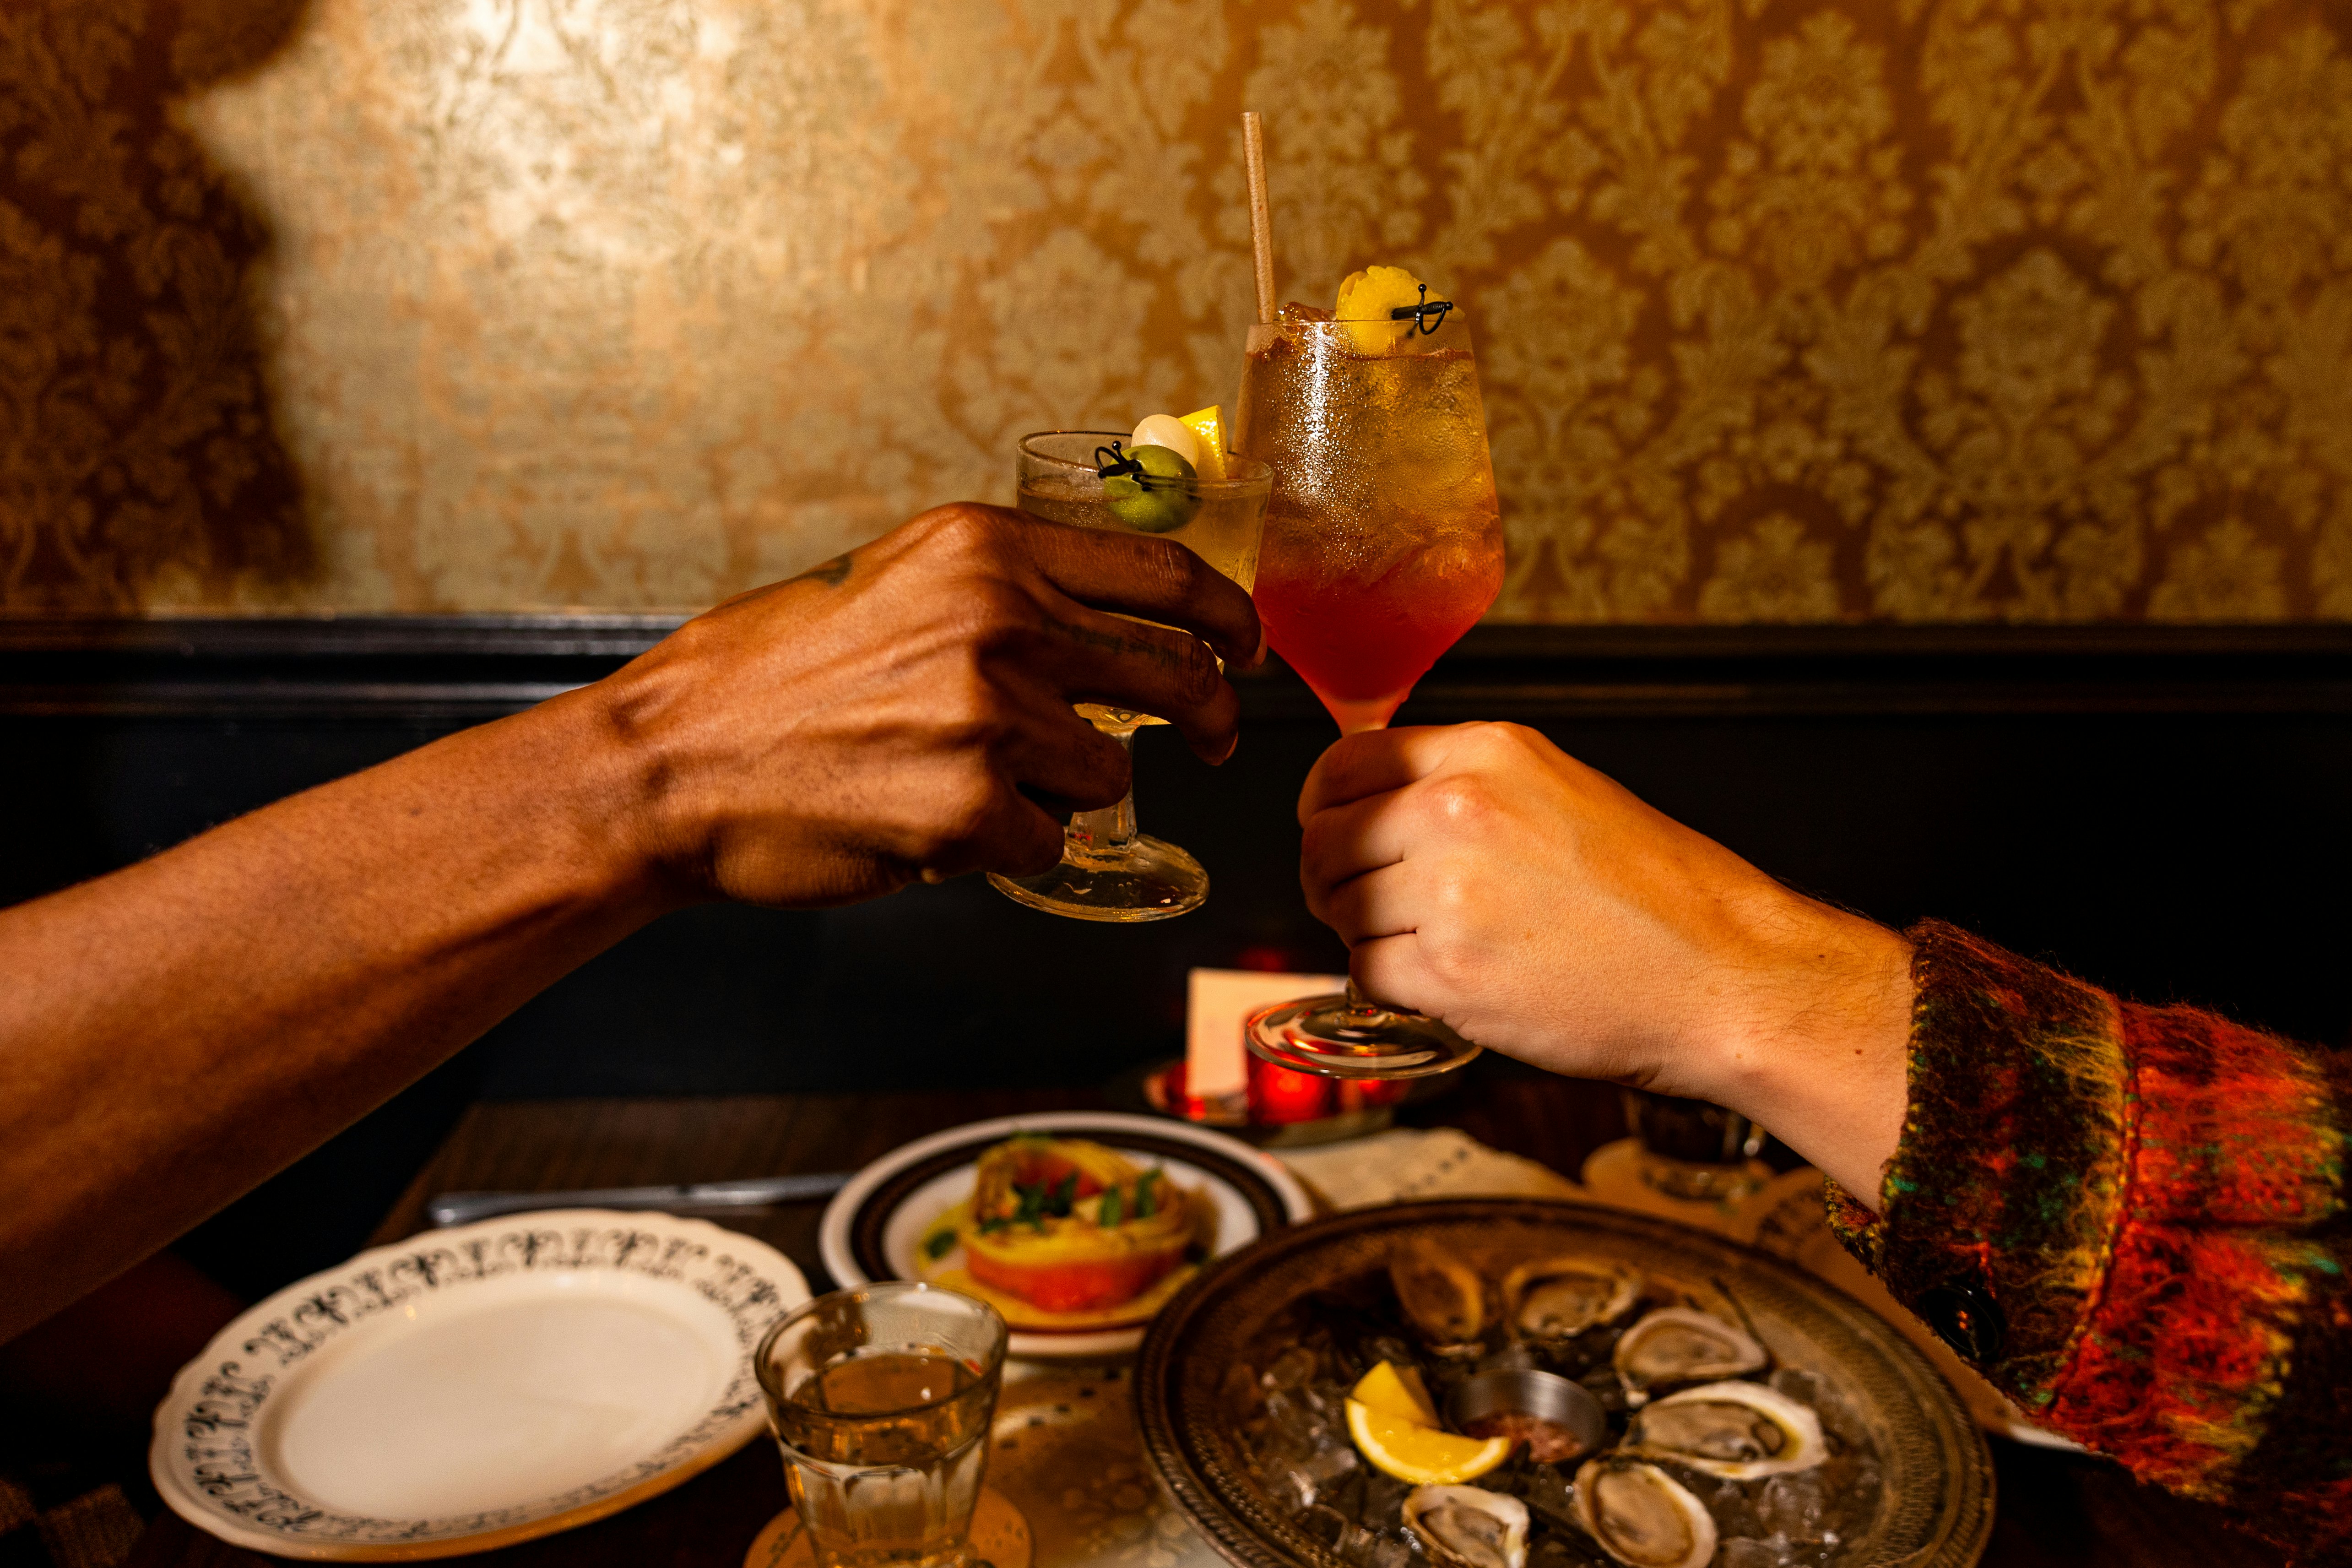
(1383,544)
(1110,871)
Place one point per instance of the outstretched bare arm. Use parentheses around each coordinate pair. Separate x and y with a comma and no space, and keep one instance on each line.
(173,1033)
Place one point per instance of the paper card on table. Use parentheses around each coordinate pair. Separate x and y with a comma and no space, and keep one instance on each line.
(1217,1064)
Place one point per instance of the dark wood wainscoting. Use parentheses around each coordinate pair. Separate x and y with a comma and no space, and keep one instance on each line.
(2162,809)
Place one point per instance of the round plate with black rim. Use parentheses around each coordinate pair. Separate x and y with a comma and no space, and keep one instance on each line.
(1196,1380)
(871,1228)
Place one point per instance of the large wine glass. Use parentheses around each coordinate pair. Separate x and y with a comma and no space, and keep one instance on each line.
(1383,544)
(1109,870)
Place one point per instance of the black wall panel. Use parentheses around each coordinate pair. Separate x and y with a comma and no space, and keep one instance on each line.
(2163,811)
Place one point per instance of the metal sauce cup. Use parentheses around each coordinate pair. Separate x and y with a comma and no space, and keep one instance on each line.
(1546,1396)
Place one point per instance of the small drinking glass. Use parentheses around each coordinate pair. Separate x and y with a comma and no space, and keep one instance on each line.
(880,1398)
(1691,1148)
(1111,869)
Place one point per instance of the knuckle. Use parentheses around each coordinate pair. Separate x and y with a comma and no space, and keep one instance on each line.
(963,528)
(1460,801)
(963,815)
(1198,676)
(1498,741)
(1451,894)
(995,610)
(972,713)
(1174,570)
(1448,957)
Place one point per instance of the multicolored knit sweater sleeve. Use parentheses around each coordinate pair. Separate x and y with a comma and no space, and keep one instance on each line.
(2136,1222)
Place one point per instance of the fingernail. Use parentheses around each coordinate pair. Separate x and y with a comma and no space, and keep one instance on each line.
(1265,645)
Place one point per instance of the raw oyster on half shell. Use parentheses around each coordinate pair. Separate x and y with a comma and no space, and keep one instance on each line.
(1442,1297)
(1469,1527)
(1677,1345)
(1740,1431)
(1641,1516)
(1560,1298)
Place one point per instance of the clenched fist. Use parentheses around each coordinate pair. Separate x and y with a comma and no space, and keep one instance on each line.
(1480,874)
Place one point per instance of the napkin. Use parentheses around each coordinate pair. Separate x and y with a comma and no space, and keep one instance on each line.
(1407,1162)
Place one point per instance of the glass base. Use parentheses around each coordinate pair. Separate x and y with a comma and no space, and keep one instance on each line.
(1147,879)
(1338,1037)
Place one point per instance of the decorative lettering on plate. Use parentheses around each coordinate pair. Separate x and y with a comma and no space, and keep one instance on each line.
(533,1243)
(225,1401)
(427,1267)
(740,1289)
(379,1298)
(625,1243)
(323,1305)
(280,1340)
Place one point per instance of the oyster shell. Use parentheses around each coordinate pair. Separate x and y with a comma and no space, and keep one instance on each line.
(1558,1298)
(1441,1296)
(1469,1527)
(1675,1344)
(1641,1516)
(1741,1431)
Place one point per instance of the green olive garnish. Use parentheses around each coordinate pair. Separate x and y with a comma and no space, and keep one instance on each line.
(1157,500)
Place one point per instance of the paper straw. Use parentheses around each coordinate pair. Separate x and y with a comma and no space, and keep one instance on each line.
(1261,219)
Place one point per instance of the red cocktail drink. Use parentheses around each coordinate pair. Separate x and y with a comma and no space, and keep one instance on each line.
(1363,645)
(1383,543)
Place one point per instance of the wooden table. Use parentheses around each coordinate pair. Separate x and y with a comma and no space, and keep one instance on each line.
(2058,1510)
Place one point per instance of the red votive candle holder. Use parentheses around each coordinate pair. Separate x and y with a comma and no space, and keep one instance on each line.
(1277,1096)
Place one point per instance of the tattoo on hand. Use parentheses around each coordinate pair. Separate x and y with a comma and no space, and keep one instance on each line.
(1111,642)
(832,574)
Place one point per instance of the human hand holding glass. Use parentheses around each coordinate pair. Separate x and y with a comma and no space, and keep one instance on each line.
(1110,870)
(1487,875)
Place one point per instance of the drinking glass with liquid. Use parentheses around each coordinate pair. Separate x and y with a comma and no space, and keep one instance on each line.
(880,1398)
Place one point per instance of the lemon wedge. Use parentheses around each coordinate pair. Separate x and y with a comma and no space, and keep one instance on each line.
(1208,427)
(1425,1456)
(1396,1391)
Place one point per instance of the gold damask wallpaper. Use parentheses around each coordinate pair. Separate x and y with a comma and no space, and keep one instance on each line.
(1911,310)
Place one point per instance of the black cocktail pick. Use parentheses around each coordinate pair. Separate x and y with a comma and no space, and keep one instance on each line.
(1426,316)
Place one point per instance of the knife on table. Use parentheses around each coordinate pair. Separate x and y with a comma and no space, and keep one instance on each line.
(463,1208)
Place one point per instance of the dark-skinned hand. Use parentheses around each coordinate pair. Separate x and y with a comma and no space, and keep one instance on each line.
(905,709)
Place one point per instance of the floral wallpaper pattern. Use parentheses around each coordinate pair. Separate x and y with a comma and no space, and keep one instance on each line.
(1788,311)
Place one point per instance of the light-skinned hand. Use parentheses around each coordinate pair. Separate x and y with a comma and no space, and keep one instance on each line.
(1480,874)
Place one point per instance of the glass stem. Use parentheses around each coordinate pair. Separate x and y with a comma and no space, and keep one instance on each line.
(1362,1006)
(1112,828)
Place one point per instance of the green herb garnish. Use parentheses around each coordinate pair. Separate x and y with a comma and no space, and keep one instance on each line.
(1106,1213)
(937,1245)
(1146,1203)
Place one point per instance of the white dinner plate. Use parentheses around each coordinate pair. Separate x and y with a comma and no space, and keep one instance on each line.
(472,1387)
(872,1225)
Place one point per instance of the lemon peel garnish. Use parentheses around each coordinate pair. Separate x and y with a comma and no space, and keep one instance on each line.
(1367,297)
